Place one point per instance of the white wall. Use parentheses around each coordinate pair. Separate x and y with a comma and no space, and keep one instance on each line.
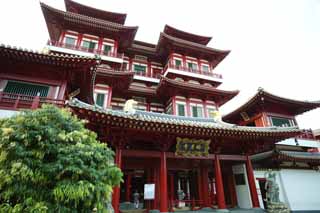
(302,188)
(7,113)
(299,189)
(243,191)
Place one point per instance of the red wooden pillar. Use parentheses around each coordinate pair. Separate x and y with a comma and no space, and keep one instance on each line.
(109,97)
(79,40)
(252,184)
(174,109)
(205,187)
(100,44)
(149,71)
(115,47)
(128,187)
(163,183)
(35,102)
(188,107)
(219,184)
(184,61)
(116,190)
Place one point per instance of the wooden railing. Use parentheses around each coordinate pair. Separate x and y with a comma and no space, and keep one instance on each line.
(307,134)
(12,101)
(197,71)
(149,75)
(80,48)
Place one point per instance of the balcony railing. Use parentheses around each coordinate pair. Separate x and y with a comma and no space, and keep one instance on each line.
(84,49)
(149,75)
(12,101)
(197,71)
(144,74)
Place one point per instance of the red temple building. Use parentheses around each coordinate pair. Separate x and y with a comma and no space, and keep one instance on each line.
(174,137)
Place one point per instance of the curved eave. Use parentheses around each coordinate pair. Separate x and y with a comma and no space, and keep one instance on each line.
(177,125)
(215,56)
(142,91)
(57,20)
(279,155)
(54,59)
(221,96)
(72,6)
(263,96)
(116,79)
(305,157)
(204,40)
(147,50)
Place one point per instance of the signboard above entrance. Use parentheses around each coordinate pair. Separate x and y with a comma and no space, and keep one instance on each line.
(192,147)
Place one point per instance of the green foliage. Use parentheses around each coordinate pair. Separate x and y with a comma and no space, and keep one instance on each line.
(49,162)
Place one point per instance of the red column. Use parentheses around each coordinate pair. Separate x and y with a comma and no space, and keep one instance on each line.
(100,44)
(109,97)
(80,36)
(205,187)
(116,190)
(252,184)
(174,111)
(188,107)
(163,183)
(219,184)
(184,61)
(128,187)
(115,47)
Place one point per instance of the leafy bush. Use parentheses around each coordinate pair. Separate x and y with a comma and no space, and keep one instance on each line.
(49,162)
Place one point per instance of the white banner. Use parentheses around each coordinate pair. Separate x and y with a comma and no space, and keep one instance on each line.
(149,191)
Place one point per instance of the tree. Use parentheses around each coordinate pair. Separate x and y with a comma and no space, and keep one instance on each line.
(49,162)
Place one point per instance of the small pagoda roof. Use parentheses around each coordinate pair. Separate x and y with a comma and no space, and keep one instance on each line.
(144,48)
(75,7)
(167,86)
(57,20)
(178,125)
(85,67)
(215,56)
(174,32)
(118,79)
(283,155)
(264,98)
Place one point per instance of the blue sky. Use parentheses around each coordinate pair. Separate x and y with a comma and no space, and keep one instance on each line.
(274,43)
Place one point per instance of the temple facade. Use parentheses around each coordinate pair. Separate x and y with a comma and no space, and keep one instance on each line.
(157,106)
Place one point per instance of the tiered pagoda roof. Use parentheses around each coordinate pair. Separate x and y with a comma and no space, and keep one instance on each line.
(293,156)
(83,68)
(58,20)
(169,87)
(177,125)
(75,7)
(169,43)
(117,79)
(174,32)
(265,100)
